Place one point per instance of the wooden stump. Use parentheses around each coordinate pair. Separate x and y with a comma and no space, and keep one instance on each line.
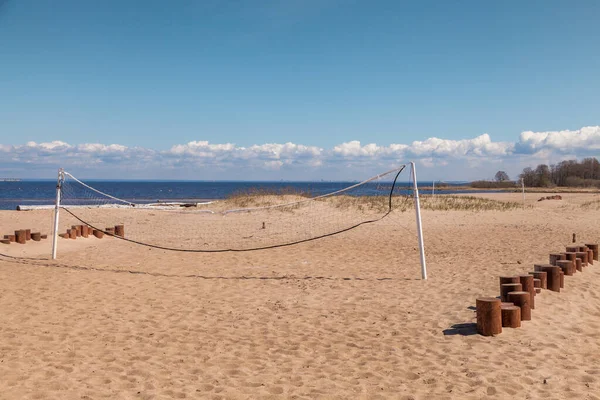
(72,233)
(77,229)
(537,283)
(583,256)
(12,238)
(44,236)
(572,249)
(521,299)
(20,236)
(508,279)
(578,265)
(505,288)
(98,234)
(590,256)
(566,265)
(554,257)
(84,231)
(120,230)
(538,290)
(27,234)
(64,235)
(489,316)
(511,315)
(562,279)
(110,231)
(572,257)
(5,241)
(552,277)
(527,284)
(36,236)
(594,248)
(542,276)
(583,248)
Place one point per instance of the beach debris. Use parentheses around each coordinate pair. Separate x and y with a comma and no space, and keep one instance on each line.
(555,197)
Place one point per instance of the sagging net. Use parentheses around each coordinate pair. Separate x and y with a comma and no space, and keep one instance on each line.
(247,220)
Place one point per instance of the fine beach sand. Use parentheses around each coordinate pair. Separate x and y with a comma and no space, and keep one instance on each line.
(345,317)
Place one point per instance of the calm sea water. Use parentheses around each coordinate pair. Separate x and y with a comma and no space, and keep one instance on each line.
(29,192)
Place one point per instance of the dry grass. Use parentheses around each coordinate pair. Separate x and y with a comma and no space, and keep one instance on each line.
(591,205)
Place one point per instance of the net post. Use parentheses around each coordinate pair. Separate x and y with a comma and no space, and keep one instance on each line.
(56,212)
(419,226)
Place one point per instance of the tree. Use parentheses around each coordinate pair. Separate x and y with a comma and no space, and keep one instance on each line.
(501,176)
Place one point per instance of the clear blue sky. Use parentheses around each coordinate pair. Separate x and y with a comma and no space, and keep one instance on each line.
(157,73)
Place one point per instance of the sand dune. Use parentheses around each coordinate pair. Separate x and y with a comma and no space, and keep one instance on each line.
(343,317)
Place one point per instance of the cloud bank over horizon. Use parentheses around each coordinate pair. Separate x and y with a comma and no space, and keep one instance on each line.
(465,159)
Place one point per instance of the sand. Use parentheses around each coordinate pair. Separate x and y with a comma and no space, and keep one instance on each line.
(345,317)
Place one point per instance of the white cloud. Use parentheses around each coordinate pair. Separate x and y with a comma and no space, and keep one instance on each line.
(444,158)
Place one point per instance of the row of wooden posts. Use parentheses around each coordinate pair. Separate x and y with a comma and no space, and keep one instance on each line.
(517,293)
(86,231)
(21,236)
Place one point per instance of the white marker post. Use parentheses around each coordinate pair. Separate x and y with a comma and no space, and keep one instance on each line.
(419,227)
(523,189)
(56,209)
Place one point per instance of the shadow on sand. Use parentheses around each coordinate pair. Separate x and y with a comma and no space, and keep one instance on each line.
(465,329)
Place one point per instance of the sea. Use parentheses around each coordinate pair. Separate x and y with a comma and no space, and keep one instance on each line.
(43,192)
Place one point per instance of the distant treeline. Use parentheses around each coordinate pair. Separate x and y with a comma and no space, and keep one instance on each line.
(566,173)
(493,184)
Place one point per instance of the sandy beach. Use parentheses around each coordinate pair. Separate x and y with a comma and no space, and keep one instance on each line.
(345,317)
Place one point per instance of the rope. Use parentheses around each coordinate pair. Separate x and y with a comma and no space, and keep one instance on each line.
(254,248)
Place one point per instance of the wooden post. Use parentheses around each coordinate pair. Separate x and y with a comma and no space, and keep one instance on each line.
(583,248)
(562,279)
(44,236)
(72,233)
(522,300)
(65,235)
(566,265)
(505,288)
(489,316)
(552,277)
(84,231)
(36,236)
(590,256)
(110,231)
(27,234)
(583,256)
(12,238)
(572,249)
(511,315)
(542,276)
(527,284)
(98,234)
(508,279)
(594,248)
(20,236)
(578,265)
(5,241)
(120,230)
(572,257)
(574,237)
(554,257)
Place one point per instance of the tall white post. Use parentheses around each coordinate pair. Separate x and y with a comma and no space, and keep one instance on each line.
(56,209)
(419,227)
(433,190)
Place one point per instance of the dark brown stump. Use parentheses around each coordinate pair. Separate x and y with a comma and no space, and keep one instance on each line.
(44,236)
(553,277)
(5,241)
(566,266)
(572,249)
(98,234)
(489,316)
(590,256)
(572,257)
(527,283)
(509,287)
(36,236)
(522,299)
(562,279)
(583,256)
(554,257)
(537,283)
(77,229)
(21,236)
(12,238)
(583,248)
(508,279)
(110,231)
(594,248)
(120,230)
(64,235)
(511,315)
(27,234)
(578,265)
(84,231)
(72,233)
(542,276)
(538,290)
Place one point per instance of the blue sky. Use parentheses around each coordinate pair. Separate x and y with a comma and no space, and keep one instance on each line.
(157,74)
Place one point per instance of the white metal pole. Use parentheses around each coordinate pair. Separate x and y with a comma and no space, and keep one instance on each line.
(56,209)
(419,226)
(433,190)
